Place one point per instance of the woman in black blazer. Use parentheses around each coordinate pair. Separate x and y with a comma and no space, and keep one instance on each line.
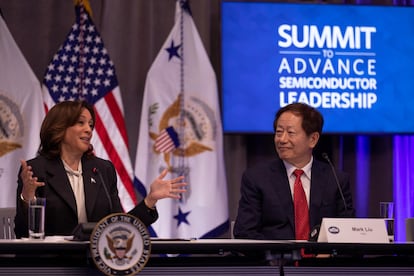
(73,179)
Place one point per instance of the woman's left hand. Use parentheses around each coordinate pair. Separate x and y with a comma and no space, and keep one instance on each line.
(161,188)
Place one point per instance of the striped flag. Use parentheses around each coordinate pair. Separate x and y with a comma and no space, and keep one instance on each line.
(82,69)
(167,140)
(181,94)
(21,114)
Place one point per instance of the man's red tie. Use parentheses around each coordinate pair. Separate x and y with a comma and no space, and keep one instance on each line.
(301,209)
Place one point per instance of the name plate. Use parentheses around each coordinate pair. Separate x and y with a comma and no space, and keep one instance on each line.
(353,230)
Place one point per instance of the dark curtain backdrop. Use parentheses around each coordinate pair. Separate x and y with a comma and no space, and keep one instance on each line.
(133,32)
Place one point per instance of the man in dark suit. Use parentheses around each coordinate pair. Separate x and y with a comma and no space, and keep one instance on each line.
(267,203)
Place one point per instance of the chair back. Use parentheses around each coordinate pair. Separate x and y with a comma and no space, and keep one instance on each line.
(7,223)
(409,229)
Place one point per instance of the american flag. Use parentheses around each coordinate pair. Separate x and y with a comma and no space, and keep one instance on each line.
(82,69)
(167,140)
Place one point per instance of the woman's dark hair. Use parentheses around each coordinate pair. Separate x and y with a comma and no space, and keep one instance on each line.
(57,120)
(312,119)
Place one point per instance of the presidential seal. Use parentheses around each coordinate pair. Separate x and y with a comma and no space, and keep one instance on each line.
(120,244)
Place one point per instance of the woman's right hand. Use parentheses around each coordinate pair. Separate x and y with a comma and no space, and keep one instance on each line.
(30,182)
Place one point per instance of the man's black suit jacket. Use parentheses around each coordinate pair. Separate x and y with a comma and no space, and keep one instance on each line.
(266,205)
(61,214)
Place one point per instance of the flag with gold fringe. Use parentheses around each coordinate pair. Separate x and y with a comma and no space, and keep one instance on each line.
(82,69)
(181,130)
(21,114)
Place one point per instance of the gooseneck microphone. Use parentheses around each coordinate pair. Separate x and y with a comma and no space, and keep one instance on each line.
(97,172)
(326,157)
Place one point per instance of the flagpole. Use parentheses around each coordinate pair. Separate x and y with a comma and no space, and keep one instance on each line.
(181,158)
(81,51)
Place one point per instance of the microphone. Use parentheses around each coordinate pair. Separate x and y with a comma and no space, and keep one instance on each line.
(314,233)
(326,157)
(97,172)
(41,190)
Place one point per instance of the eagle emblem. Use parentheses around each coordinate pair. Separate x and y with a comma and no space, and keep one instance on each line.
(119,242)
(197,121)
(11,125)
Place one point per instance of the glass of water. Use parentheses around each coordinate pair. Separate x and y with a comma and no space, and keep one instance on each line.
(37,218)
(387,213)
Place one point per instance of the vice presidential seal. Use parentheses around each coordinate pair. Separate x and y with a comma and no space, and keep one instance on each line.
(11,125)
(120,245)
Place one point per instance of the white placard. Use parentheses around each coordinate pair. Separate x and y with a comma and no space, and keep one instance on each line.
(354,230)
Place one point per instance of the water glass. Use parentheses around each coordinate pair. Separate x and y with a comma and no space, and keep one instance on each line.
(387,212)
(37,218)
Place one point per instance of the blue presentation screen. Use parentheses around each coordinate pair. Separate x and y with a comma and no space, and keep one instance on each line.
(353,63)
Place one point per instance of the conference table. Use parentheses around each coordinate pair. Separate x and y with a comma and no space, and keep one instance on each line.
(59,256)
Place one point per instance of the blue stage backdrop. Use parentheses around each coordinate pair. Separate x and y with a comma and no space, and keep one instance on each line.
(352,62)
